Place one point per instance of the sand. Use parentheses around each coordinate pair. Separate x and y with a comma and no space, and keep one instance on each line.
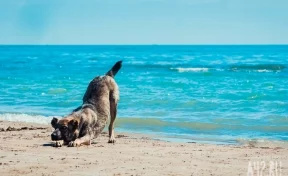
(30,152)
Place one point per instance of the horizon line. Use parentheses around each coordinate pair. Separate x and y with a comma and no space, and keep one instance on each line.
(141,44)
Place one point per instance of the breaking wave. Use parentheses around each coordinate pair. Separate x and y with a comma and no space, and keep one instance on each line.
(180,67)
(191,69)
(25,118)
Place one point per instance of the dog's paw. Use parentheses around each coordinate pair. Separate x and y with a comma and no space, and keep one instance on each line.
(74,144)
(58,144)
(111,140)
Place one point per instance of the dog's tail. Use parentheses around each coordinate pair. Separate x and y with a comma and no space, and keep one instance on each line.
(113,71)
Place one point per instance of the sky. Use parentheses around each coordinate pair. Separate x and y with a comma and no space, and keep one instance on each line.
(144,22)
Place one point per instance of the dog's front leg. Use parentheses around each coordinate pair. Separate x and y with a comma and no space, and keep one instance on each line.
(58,144)
(85,140)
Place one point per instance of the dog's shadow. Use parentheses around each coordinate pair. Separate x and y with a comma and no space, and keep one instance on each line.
(52,144)
(48,144)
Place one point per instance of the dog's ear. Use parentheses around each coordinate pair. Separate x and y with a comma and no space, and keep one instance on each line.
(54,122)
(73,125)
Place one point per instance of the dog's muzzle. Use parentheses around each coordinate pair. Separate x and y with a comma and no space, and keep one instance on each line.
(56,135)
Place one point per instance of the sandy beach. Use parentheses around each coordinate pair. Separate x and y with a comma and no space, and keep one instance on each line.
(26,149)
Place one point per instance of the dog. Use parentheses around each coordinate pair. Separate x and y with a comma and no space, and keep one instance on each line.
(88,120)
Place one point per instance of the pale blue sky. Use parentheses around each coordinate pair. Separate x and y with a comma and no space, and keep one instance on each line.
(144,22)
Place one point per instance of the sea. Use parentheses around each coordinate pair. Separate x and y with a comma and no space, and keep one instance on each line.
(197,93)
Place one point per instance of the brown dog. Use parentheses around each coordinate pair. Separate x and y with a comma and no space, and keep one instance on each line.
(87,121)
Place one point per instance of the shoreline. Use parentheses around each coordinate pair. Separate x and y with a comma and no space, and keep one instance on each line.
(182,138)
(30,152)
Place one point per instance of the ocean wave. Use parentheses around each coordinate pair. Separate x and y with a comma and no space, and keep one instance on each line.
(165,63)
(26,118)
(181,70)
(180,67)
(156,66)
(264,70)
(137,62)
(261,67)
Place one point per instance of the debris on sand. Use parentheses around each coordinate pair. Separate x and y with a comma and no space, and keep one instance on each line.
(120,136)
(11,129)
(22,128)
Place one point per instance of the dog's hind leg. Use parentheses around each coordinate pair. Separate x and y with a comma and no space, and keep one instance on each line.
(113,114)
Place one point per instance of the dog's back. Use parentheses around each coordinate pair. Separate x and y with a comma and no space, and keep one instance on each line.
(103,93)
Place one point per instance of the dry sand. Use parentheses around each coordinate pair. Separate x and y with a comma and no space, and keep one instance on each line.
(29,152)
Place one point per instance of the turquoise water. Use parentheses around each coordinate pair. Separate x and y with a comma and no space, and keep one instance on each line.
(209,93)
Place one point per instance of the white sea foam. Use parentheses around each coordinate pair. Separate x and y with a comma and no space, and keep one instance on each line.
(163,63)
(262,142)
(264,70)
(191,69)
(137,62)
(25,118)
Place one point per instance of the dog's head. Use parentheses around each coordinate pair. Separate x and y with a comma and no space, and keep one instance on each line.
(65,129)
